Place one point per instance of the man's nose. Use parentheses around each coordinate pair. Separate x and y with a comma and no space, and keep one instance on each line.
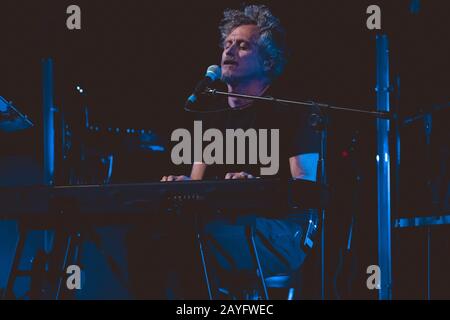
(230,51)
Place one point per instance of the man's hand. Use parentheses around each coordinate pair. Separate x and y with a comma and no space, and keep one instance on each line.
(238,175)
(175,178)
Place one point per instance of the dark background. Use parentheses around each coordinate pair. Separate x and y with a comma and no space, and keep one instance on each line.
(139,60)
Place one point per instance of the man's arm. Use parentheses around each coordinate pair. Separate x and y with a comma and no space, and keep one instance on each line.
(304,166)
(198,171)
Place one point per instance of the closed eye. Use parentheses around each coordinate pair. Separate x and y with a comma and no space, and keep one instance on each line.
(227,44)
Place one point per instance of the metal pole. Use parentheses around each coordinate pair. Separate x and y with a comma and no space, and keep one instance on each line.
(48,121)
(428,263)
(383,170)
(49,134)
(323,180)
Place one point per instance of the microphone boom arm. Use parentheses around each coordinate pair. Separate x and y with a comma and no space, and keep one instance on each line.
(376,114)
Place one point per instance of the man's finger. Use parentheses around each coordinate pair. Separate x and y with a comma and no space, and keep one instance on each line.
(170,178)
(164,179)
(228,176)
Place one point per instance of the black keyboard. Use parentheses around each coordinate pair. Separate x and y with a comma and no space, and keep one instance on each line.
(147,198)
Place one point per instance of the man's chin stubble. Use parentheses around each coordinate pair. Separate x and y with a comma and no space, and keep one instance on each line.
(230,79)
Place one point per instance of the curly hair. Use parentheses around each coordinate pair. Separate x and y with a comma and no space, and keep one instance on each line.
(272,38)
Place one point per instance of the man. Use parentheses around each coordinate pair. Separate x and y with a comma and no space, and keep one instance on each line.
(254,56)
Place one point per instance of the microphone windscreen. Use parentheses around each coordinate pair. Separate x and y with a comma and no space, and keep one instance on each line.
(214,72)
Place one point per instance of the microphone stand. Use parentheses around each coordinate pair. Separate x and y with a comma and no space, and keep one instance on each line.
(322,106)
(319,123)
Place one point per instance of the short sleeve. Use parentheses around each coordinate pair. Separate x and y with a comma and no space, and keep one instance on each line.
(305,139)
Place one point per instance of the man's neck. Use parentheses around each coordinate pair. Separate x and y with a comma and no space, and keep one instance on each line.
(253,88)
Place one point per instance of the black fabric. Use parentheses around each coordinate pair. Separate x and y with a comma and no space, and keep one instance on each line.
(296,134)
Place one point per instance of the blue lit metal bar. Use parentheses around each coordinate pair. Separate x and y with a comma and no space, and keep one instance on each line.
(48,121)
(425,221)
(49,134)
(383,170)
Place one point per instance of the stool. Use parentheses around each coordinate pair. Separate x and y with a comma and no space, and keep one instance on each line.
(282,282)
(274,284)
(249,289)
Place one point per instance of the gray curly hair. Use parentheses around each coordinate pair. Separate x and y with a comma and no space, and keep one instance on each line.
(272,38)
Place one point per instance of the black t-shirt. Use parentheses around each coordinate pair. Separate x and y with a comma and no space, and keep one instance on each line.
(296,136)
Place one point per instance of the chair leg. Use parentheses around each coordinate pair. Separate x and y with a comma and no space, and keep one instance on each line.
(291,294)
(258,263)
(205,269)
(61,261)
(18,251)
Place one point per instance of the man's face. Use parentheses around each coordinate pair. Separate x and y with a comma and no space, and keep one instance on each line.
(241,57)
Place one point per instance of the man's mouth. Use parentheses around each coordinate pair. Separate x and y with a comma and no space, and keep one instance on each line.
(229,62)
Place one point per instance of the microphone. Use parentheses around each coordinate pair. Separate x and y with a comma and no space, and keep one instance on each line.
(212,74)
